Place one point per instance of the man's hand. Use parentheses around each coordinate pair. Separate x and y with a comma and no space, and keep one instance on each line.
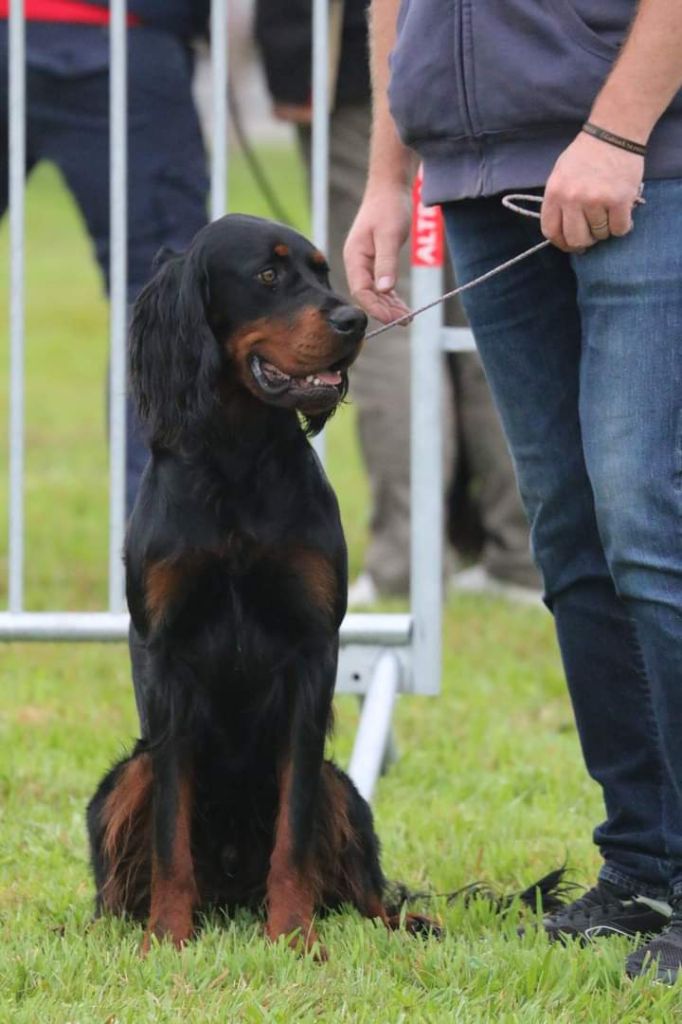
(593,188)
(590,194)
(371,252)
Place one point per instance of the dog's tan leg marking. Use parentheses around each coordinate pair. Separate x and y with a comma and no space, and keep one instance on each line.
(126,817)
(290,890)
(319,576)
(174,893)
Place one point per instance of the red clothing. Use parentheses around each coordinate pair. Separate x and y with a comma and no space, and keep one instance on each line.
(65,10)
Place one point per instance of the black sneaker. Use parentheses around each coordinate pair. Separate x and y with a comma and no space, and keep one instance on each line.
(607,910)
(663,954)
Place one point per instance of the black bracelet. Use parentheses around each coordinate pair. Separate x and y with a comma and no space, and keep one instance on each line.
(614,140)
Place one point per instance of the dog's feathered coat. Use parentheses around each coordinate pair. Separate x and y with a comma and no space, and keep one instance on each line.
(236,584)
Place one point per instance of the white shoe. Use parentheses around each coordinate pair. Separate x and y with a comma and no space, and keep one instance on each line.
(477,580)
(363,590)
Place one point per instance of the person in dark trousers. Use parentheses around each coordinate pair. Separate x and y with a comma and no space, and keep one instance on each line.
(67,44)
(380,381)
(582,344)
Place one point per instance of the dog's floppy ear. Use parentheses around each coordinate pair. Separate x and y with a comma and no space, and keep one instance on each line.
(175,360)
(164,254)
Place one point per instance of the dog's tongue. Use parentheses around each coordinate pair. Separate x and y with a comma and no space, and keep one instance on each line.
(329,377)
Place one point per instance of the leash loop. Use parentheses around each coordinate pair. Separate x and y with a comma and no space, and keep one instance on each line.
(511,202)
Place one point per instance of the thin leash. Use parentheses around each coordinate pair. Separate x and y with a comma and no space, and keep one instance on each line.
(511,203)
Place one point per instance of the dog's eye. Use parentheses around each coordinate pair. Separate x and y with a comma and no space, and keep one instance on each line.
(268,276)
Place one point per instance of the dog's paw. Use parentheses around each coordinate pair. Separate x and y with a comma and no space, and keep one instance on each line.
(178,933)
(301,938)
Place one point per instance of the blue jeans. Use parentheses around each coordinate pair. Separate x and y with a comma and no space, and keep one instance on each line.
(584,357)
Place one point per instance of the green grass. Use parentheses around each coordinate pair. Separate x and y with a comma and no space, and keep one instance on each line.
(489,784)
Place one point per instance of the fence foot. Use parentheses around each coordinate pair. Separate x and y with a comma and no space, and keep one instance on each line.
(374,749)
(391,752)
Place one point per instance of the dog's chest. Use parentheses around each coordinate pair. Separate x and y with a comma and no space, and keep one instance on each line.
(246,586)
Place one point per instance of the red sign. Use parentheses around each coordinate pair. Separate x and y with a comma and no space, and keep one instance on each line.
(78,12)
(427,230)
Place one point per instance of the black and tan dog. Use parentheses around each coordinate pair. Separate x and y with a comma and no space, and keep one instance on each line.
(236,584)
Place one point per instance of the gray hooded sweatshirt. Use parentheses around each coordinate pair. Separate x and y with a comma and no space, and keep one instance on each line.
(489,92)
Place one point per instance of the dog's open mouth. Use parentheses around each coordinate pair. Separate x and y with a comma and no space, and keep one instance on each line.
(274,382)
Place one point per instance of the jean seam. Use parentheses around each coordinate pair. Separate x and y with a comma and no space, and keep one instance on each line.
(650,717)
(677,484)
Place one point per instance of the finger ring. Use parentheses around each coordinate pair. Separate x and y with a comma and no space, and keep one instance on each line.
(599,229)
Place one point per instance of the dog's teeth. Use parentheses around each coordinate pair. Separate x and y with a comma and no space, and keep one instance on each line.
(309,378)
(317,381)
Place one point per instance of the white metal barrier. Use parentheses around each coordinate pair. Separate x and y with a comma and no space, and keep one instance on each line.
(381,654)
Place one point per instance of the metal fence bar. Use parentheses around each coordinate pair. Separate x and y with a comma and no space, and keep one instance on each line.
(426,486)
(457,339)
(319,169)
(373,737)
(388,630)
(219,78)
(320,129)
(17,174)
(118,287)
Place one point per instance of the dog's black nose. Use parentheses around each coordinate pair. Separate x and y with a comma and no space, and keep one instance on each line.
(348,320)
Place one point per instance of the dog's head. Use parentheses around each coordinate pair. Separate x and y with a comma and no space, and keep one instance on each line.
(248,308)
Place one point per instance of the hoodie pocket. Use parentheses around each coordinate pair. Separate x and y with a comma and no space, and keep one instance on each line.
(599,27)
(423,93)
(532,63)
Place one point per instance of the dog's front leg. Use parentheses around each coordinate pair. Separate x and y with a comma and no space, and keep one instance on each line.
(293,889)
(173,887)
(290,889)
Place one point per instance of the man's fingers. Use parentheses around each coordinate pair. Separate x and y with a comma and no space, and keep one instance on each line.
(386,261)
(620,219)
(592,188)
(395,305)
(575,226)
(371,253)
(368,300)
(577,231)
(551,223)
(597,216)
(381,303)
(384,308)
(359,262)
(371,267)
